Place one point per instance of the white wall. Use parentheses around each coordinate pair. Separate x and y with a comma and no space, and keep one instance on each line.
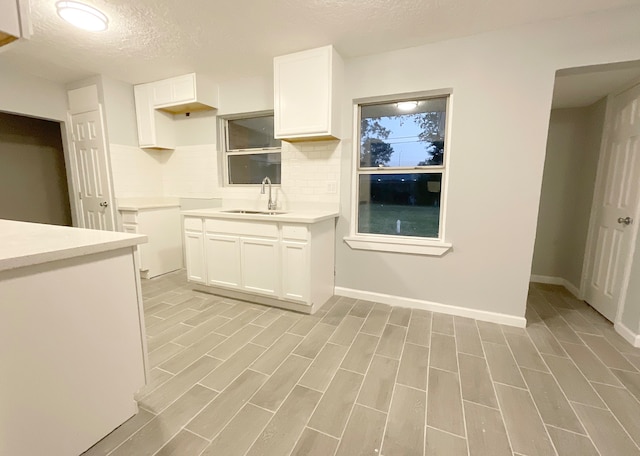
(246,95)
(120,112)
(502,88)
(26,94)
(573,148)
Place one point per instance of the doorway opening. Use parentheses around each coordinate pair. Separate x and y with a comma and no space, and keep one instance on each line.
(590,187)
(33,178)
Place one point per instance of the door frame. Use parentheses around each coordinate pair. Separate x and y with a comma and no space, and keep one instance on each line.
(598,194)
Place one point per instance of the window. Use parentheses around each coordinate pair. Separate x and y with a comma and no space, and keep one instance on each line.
(251,151)
(400,175)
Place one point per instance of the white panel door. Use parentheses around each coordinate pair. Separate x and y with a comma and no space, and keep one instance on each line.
(295,271)
(93,171)
(194,251)
(223,260)
(260,268)
(614,227)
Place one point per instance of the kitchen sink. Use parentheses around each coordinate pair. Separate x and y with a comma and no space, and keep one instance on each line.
(252,212)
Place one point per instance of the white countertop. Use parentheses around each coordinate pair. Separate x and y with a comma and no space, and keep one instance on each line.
(293,216)
(27,244)
(137,204)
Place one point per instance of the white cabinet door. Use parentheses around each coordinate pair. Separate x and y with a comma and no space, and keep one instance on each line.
(184,88)
(162,92)
(304,93)
(295,271)
(223,260)
(260,265)
(9,19)
(144,115)
(194,249)
(181,89)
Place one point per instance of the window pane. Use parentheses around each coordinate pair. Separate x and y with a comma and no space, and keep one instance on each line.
(409,133)
(251,133)
(252,168)
(400,204)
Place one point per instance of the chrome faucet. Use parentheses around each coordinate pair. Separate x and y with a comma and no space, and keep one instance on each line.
(271,205)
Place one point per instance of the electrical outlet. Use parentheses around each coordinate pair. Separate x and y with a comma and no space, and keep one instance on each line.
(331,187)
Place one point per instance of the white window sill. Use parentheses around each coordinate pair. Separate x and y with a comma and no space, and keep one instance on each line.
(400,245)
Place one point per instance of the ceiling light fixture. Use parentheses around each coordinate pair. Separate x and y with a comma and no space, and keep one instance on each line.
(407,105)
(82,16)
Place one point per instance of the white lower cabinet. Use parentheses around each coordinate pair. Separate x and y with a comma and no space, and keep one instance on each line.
(163,251)
(286,264)
(259,260)
(295,270)
(194,250)
(223,260)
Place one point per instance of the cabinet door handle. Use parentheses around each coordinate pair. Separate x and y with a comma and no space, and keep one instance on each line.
(625,220)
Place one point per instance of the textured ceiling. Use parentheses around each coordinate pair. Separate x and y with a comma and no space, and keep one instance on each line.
(154,39)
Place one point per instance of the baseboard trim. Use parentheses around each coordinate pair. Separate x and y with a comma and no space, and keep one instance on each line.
(399,301)
(557,281)
(629,336)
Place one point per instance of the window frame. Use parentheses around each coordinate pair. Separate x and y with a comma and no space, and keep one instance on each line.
(397,243)
(226,151)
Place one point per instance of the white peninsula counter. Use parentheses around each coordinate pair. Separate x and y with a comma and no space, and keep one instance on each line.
(278,258)
(72,342)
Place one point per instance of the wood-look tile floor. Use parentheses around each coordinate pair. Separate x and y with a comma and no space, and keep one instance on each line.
(361,378)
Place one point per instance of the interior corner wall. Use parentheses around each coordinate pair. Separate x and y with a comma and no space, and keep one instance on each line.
(502,85)
(568,183)
(120,112)
(25,94)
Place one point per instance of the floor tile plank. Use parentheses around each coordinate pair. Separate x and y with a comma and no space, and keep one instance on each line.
(236,438)
(444,402)
(414,366)
(607,435)
(282,432)
(486,432)
(332,412)
(378,383)
(313,443)
(476,381)
(524,426)
(363,435)
(404,435)
(324,367)
(439,443)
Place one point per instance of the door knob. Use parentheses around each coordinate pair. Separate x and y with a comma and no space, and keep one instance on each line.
(105,204)
(625,220)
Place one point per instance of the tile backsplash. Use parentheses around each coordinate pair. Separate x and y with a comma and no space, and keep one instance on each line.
(310,173)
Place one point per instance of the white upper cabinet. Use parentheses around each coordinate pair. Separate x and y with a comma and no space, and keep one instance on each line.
(155,128)
(14,21)
(307,89)
(187,93)
(157,102)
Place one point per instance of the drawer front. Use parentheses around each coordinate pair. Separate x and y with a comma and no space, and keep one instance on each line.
(193,224)
(297,232)
(129,217)
(258,229)
(128,228)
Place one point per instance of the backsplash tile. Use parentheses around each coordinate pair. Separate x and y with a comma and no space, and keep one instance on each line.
(310,173)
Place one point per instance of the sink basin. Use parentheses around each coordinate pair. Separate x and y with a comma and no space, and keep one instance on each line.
(253,212)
